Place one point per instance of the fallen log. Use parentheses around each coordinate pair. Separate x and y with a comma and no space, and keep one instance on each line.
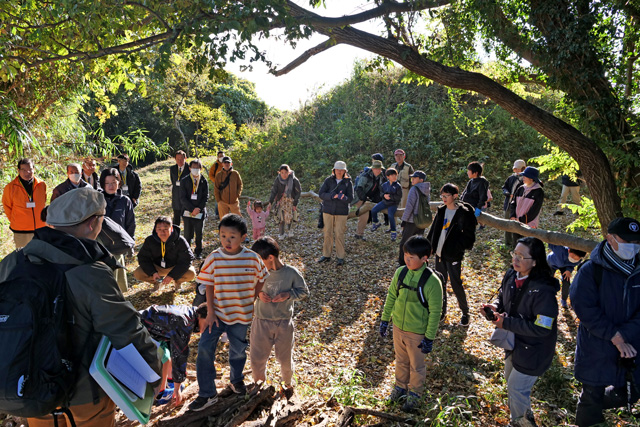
(261,396)
(349,414)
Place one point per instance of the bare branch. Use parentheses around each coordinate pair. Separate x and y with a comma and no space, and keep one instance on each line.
(151,11)
(327,44)
(386,8)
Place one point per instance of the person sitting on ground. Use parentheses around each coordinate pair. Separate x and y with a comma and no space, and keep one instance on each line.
(172,326)
(130,184)
(228,188)
(89,174)
(414,325)
(476,191)
(409,228)
(336,194)
(273,314)
(527,200)
(527,307)
(165,256)
(392,195)
(368,188)
(285,192)
(564,259)
(258,218)
(74,180)
(605,295)
(452,233)
(509,190)
(232,276)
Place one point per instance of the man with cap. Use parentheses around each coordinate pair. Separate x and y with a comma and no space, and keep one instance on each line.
(368,188)
(405,170)
(509,189)
(606,297)
(409,228)
(96,303)
(227,188)
(129,179)
(74,180)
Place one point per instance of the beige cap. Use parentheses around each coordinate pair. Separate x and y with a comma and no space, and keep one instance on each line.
(519,164)
(75,206)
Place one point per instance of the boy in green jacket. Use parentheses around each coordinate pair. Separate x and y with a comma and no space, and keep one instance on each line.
(414,325)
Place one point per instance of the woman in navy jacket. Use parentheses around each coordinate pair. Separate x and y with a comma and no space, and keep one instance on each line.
(336,194)
(527,306)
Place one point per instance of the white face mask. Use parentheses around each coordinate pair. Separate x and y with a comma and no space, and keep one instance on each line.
(574,260)
(627,251)
(220,158)
(74,177)
(195,172)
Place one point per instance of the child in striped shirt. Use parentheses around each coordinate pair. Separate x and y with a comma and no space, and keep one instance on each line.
(233,276)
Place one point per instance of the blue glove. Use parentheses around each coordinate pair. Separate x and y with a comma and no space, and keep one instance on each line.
(383,328)
(477,212)
(426,345)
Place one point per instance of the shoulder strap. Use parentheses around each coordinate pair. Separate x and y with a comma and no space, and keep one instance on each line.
(424,277)
(400,282)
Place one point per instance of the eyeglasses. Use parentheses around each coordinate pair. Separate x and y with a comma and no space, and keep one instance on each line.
(518,257)
(445,196)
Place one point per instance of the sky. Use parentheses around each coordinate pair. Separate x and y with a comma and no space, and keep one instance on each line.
(318,75)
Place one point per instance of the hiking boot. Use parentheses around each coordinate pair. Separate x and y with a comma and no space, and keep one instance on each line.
(340,261)
(202,403)
(239,387)
(375,226)
(324,259)
(396,394)
(413,400)
(394,236)
(464,320)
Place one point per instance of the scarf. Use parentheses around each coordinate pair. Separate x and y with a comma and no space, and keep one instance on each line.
(625,267)
(288,183)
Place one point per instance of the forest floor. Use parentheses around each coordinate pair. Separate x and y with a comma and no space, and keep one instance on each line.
(338,352)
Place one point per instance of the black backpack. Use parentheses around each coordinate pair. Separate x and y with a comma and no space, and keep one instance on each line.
(37,373)
(421,282)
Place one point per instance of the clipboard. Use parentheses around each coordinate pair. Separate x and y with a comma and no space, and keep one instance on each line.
(134,408)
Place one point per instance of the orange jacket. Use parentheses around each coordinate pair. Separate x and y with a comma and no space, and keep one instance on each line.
(214,169)
(15,199)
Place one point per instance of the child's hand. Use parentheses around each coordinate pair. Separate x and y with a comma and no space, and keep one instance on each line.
(264,297)
(281,297)
(384,326)
(566,275)
(177,394)
(426,345)
(210,321)
(386,196)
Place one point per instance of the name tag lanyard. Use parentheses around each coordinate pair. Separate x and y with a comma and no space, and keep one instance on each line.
(123,177)
(163,249)
(194,190)
(30,195)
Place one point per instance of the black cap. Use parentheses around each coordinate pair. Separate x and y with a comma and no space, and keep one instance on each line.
(419,174)
(627,228)
(226,159)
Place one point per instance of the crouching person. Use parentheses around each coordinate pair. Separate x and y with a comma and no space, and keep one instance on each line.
(165,256)
(414,325)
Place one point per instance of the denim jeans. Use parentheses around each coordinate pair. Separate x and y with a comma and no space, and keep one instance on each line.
(391,210)
(205,369)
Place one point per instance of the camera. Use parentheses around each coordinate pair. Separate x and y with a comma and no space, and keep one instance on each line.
(489,314)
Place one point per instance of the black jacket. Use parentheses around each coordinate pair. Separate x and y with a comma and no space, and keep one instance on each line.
(175,177)
(132,181)
(369,187)
(534,344)
(115,238)
(509,189)
(177,254)
(461,234)
(277,190)
(475,193)
(330,188)
(120,209)
(202,194)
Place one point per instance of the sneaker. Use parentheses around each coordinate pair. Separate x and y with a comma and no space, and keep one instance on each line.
(359,237)
(413,400)
(340,261)
(394,236)
(396,394)
(563,303)
(324,259)
(281,236)
(375,226)
(202,403)
(239,388)
(290,233)
(388,230)
(464,320)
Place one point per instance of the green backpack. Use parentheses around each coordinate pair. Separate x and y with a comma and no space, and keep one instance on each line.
(424,217)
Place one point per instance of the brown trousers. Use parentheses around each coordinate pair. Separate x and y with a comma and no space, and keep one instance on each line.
(335,227)
(411,370)
(225,208)
(88,415)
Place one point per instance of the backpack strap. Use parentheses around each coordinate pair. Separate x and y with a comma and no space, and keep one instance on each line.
(424,277)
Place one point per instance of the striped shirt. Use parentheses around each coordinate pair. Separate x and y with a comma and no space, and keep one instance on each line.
(234,278)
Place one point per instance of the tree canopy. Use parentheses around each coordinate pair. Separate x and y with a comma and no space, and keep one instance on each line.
(588,50)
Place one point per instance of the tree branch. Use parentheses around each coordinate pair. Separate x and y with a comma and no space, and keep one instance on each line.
(151,11)
(327,44)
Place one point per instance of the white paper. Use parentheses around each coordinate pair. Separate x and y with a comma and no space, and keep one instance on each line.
(188,214)
(128,367)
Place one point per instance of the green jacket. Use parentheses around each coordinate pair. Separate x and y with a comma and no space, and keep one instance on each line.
(98,305)
(405,308)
